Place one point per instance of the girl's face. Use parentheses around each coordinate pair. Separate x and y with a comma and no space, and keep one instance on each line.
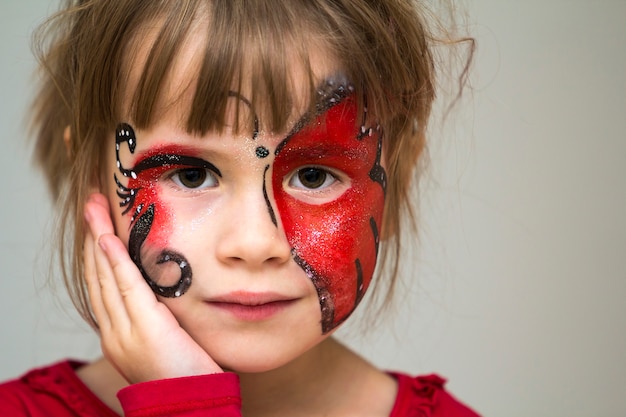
(260,243)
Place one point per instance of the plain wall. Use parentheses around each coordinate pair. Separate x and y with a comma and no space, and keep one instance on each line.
(519,288)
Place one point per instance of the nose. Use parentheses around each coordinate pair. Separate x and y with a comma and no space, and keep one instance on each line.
(251,236)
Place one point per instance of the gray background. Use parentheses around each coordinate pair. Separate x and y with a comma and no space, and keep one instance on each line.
(520,296)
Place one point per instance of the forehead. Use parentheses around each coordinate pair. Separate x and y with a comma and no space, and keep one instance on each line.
(185,84)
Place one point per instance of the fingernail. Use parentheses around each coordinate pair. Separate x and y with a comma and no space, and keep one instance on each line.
(102,245)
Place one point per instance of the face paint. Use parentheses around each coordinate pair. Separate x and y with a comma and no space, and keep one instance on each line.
(150,218)
(335,243)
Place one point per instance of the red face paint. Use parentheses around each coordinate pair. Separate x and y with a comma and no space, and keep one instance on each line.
(151,221)
(146,185)
(335,242)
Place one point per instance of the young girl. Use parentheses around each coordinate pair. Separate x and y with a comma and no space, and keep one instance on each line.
(247,161)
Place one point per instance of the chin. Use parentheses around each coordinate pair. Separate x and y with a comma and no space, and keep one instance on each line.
(250,356)
(255,362)
(251,368)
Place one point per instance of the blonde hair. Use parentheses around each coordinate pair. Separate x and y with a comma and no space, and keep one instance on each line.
(384,49)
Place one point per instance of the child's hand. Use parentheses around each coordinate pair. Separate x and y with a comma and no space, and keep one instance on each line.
(139,334)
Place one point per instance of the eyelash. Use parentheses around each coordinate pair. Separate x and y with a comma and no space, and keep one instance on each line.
(324,186)
(207,175)
(208,179)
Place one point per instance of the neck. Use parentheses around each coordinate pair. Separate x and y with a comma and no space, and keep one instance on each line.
(104,381)
(327,377)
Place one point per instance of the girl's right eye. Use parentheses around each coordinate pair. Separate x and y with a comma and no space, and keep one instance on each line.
(194,178)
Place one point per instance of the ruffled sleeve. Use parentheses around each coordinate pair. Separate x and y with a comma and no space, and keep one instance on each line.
(425,396)
(53,390)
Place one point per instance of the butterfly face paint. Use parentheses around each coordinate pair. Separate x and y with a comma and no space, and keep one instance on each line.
(151,225)
(335,243)
(150,218)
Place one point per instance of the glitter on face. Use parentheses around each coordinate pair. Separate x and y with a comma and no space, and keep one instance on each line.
(335,243)
(151,222)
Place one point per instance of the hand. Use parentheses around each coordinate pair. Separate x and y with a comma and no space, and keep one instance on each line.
(139,334)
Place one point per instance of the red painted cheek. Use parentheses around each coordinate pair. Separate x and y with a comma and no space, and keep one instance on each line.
(151,221)
(338,240)
(147,186)
(149,194)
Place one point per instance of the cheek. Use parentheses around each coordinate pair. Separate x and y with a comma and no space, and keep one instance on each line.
(148,196)
(336,243)
(166,270)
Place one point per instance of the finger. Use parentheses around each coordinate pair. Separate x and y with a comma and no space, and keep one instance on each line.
(93,285)
(112,298)
(97,208)
(97,214)
(130,295)
(134,292)
(131,286)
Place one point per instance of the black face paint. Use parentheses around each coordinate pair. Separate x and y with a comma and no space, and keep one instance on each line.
(139,195)
(335,243)
(138,234)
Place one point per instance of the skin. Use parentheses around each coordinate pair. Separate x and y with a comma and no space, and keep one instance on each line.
(335,241)
(138,328)
(322,171)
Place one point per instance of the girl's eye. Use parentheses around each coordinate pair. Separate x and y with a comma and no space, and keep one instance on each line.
(312,178)
(194,178)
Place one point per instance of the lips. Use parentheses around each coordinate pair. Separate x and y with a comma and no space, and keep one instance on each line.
(249,306)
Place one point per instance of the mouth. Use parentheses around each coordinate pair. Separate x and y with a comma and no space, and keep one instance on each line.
(248,306)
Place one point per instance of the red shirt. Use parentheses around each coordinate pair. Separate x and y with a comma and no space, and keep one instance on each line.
(56,391)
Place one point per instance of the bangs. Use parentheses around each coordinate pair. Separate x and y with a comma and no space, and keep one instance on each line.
(264,52)
(108,61)
(258,52)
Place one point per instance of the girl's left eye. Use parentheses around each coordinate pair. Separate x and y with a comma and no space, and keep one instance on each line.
(312,178)
(194,178)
